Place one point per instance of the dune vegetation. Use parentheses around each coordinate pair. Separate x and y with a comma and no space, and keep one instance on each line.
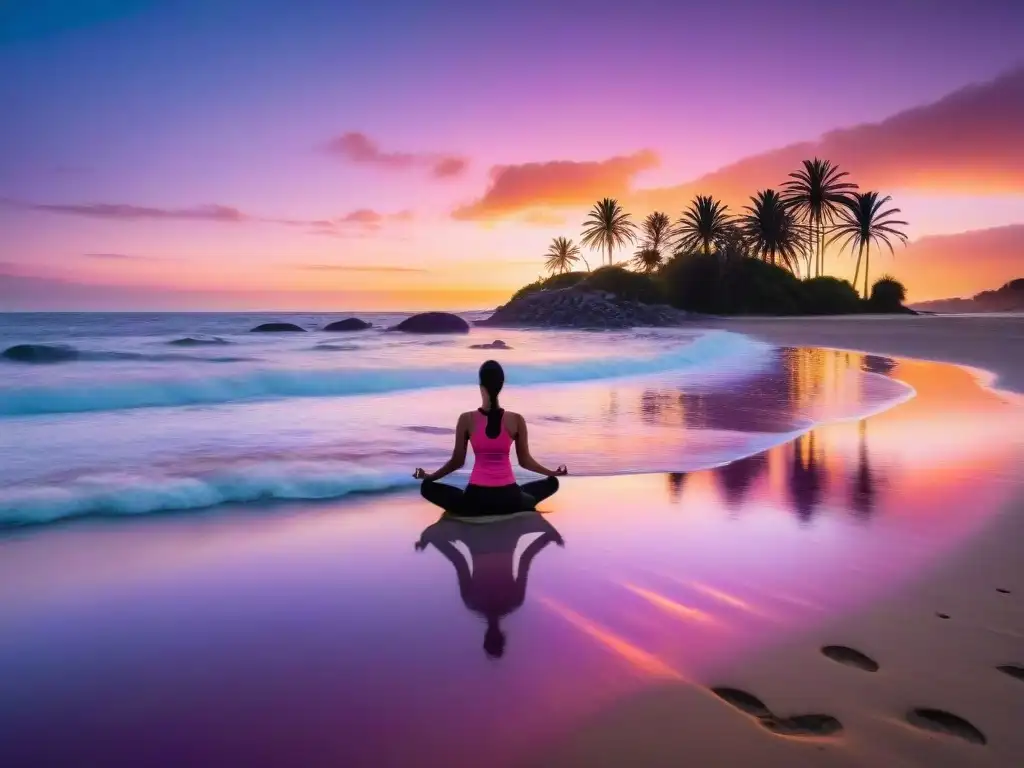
(770,258)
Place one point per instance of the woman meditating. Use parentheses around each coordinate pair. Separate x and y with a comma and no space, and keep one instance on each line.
(492,488)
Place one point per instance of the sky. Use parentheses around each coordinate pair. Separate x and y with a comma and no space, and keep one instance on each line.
(267,154)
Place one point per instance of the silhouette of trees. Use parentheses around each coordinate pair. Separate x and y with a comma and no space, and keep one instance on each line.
(702,225)
(770,230)
(816,194)
(863,222)
(562,254)
(608,227)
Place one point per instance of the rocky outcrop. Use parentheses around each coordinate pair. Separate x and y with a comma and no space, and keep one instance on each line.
(40,353)
(496,344)
(278,328)
(1008,298)
(578,308)
(349,324)
(433,322)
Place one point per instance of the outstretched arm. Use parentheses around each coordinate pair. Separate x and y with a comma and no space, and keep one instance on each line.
(458,458)
(526,461)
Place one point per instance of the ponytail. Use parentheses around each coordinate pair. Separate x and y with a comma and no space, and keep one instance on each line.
(492,379)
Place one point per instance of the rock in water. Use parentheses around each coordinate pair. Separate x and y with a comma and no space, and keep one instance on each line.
(433,322)
(199,341)
(40,353)
(278,328)
(349,324)
(496,344)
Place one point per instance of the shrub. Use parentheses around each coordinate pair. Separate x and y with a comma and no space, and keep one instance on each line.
(632,286)
(707,284)
(564,280)
(829,296)
(888,295)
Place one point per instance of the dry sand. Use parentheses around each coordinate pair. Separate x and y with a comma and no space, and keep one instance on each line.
(949,661)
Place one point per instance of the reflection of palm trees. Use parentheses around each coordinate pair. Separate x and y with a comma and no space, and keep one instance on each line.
(737,477)
(490,584)
(806,477)
(864,488)
(676,481)
(878,364)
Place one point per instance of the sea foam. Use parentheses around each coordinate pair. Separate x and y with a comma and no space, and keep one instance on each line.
(715,354)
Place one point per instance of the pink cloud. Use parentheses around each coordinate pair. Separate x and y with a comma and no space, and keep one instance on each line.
(966,142)
(516,189)
(357,223)
(359,148)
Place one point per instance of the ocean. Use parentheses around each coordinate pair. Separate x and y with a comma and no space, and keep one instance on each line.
(156,413)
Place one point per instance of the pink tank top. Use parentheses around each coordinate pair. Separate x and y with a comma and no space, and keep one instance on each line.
(492,466)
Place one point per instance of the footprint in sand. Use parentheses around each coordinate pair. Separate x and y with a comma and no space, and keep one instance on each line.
(743,701)
(1012,670)
(940,721)
(850,657)
(798,725)
(942,615)
(1002,591)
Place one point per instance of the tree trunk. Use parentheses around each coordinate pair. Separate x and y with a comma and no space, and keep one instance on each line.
(609,253)
(821,247)
(867,265)
(856,271)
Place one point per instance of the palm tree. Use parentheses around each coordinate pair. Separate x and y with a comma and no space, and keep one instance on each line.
(562,254)
(703,224)
(770,229)
(607,227)
(863,222)
(816,193)
(647,260)
(654,235)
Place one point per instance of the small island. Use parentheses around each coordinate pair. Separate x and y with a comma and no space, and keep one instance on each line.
(770,259)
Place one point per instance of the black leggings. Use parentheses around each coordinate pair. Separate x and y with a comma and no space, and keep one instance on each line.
(488,500)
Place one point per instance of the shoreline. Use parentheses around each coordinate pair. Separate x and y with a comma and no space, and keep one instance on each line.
(992,348)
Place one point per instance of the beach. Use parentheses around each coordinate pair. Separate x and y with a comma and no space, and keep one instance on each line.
(739,510)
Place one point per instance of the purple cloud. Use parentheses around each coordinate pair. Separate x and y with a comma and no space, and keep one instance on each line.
(359,148)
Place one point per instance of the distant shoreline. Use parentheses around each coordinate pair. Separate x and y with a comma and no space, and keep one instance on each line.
(991,346)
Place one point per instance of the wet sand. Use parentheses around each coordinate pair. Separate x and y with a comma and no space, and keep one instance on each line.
(671,619)
(993,343)
(929,675)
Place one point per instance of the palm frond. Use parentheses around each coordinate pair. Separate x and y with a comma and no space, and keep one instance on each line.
(701,225)
(608,226)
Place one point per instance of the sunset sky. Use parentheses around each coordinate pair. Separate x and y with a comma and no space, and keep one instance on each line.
(219,154)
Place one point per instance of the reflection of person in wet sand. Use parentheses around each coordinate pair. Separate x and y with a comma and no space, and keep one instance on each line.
(490,583)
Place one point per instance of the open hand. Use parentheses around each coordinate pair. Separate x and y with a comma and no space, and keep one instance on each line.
(562,470)
(420,545)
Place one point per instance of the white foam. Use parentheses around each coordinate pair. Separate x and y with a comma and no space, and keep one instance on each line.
(715,354)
